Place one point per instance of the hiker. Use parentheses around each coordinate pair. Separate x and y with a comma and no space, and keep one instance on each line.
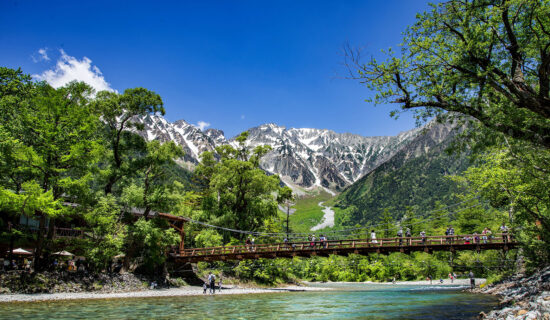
(451,277)
(252,244)
(472,280)
(484,235)
(400,236)
(212,281)
(248,243)
(312,244)
(373,236)
(504,231)
(408,235)
(285,241)
(476,238)
(423,235)
(204,286)
(467,240)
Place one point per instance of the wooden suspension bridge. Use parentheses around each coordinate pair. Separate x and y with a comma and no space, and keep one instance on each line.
(345,247)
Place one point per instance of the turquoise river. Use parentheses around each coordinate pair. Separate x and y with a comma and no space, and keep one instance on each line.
(347,301)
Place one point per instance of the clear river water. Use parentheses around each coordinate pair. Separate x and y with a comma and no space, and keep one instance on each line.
(348,301)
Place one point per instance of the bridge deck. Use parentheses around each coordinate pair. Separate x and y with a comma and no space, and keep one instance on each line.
(345,247)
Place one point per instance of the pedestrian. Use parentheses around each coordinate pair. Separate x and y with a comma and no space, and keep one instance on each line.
(373,236)
(504,231)
(248,243)
(408,235)
(252,244)
(400,236)
(286,243)
(476,238)
(312,244)
(472,280)
(484,235)
(423,235)
(451,277)
(204,286)
(212,282)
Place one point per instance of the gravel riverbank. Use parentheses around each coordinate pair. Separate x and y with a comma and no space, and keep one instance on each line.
(182,291)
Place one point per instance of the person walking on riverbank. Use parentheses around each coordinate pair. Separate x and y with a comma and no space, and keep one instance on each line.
(212,281)
(472,280)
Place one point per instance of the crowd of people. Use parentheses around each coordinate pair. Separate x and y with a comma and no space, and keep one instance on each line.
(403,238)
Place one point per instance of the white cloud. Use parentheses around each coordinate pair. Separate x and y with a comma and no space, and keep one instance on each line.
(70,68)
(42,54)
(202,125)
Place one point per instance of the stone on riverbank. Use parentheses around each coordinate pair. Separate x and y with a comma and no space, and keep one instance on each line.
(523,297)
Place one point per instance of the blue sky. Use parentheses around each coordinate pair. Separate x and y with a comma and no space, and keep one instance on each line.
(231,64)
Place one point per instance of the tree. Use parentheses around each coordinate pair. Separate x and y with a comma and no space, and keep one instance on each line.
(239,195)
(484,59)
(159,156)
(119,112)
(285,196)
(387,222)
(107,233)
(515,182)
(51,144)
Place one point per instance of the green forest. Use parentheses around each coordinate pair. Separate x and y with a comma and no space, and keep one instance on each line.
(71,158)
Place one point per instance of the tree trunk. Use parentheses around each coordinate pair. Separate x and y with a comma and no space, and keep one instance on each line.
(39,244)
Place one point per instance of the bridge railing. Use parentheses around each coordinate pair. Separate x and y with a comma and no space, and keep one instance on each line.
(349,243)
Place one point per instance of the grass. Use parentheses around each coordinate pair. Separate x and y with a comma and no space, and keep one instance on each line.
(308,212)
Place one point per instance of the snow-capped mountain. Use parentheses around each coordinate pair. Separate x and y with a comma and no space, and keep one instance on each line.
(303,158)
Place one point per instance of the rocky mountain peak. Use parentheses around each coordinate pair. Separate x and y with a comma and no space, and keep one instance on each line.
(303,157)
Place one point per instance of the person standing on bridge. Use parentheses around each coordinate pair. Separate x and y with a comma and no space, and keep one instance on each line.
(248,243)
(484,235)
(373,236)
(504,230)
(408,235)
(400,236)
(423,235)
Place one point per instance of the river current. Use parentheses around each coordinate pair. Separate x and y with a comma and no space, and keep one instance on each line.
(347,301)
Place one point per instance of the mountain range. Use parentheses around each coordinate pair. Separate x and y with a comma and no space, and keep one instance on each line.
(304,158)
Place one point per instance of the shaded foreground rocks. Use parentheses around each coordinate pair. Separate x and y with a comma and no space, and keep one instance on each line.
(53,282)
(521,297)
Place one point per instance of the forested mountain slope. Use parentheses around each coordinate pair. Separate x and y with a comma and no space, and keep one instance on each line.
(417,175)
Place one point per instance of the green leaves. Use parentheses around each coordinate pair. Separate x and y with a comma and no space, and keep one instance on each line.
(237,193)
(481,59)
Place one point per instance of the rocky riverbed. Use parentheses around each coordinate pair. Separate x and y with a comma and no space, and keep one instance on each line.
(54,282)
(521,297)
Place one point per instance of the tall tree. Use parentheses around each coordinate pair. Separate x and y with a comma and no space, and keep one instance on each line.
(53,142)
(119,112)
(240,195)
(486,59)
